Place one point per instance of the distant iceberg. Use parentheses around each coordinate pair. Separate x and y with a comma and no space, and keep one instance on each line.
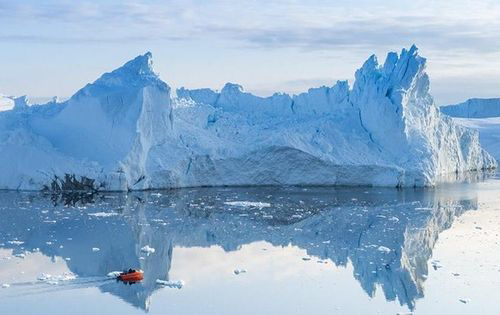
(125,132)
(474,108)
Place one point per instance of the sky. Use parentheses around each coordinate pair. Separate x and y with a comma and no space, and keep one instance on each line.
(53,48)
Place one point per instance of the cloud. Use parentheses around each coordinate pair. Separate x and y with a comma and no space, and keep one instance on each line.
(272,24)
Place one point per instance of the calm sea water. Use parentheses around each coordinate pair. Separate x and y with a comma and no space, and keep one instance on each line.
(254,251)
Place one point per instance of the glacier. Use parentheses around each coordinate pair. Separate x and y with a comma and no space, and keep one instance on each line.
(126,132)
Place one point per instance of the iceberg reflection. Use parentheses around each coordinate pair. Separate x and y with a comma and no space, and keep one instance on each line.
(387,234)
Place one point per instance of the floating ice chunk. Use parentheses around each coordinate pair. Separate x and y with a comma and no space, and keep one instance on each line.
(423,208)
(5,285)
(51,279)
(66,277)
(44,277)
(248,204)
(384,249)
(103,214)
(171,284)
(395,219)
(95,249)
(239,271)
(148,250)
(16,242)
(436,265)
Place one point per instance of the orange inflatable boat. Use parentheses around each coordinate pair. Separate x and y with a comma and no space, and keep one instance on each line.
(131,276)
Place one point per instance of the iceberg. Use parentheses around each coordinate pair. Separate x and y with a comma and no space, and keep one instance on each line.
(483,115)
(126,132)
(474,108)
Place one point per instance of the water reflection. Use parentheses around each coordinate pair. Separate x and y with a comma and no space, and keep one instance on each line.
(386,234)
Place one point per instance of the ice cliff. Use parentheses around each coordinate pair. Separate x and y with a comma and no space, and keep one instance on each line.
(474,108)
(125,132)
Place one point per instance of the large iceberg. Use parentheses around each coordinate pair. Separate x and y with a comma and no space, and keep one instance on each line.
(125,132)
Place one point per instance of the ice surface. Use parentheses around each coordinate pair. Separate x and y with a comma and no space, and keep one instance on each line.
(474,108)
(125,132)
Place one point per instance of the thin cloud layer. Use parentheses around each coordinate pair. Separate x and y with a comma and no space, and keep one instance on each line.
(462,25)
(460,38)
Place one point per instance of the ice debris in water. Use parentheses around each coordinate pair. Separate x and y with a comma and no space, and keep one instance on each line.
(248,204)
(95,249)
(436,265)
(148,250)
(103,214)
(51,279)
(239,271)
(384,249)
(16,242)
(171,284)
(5,285)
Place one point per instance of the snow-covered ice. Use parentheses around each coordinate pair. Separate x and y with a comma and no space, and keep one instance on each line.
(126,132)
